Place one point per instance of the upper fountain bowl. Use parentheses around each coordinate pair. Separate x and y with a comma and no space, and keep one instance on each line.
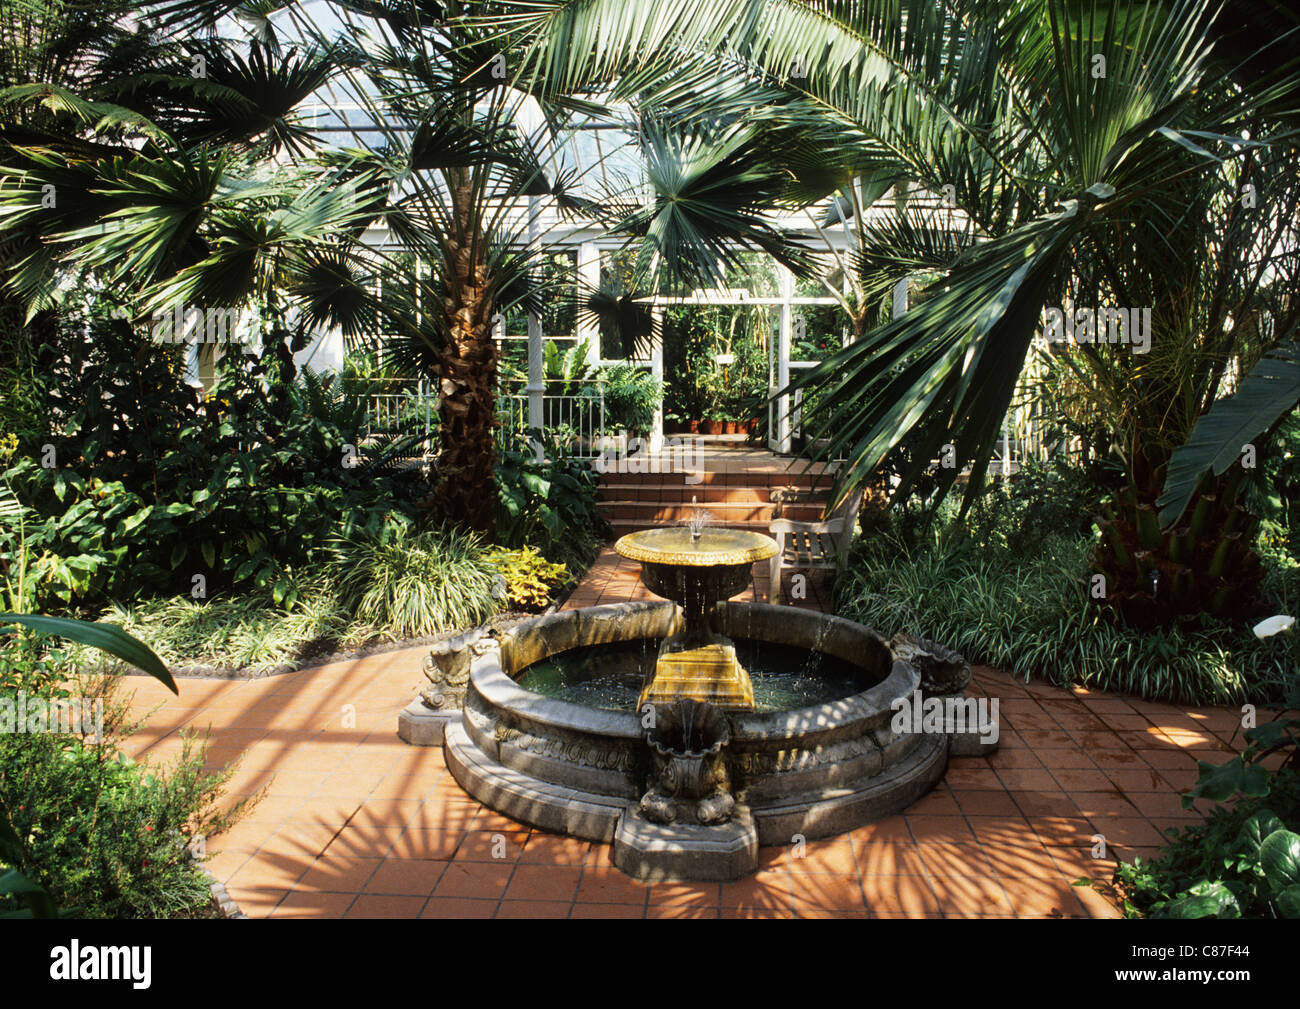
(715,546)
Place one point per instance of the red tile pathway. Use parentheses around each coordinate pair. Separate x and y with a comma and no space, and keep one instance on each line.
(352,822)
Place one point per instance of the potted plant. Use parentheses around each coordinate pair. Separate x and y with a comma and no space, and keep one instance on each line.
(749,409)
(631,397)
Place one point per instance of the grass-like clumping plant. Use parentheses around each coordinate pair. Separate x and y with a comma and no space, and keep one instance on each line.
(414,583)
(1009,586)
(249,631)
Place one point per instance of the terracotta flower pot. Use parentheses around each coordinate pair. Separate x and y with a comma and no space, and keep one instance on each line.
(695,427)
(711,426)
(729,427)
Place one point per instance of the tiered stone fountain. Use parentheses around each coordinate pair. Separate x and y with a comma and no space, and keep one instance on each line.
(698,573)
(690,781)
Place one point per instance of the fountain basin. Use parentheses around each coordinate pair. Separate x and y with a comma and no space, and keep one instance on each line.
(809,772)
(612,675)
(713,546)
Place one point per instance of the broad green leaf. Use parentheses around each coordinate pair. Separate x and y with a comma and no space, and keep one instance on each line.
(1204,900)
(1270,390)
(1279,857)
(1288,902)
(1219,783)
(105,637)
(135,521)
(38,901)
(1258,827)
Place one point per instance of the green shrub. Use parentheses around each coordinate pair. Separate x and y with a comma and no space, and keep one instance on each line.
(632,396)
(531,581)
(1275,494)
(104,836)
(1243,861)
(1042,499)
(389,585)
(150,484)
(549,504)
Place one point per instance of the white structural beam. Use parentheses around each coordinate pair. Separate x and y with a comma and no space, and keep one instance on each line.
(536,370)
(589,279)
(657,372)
(729,300)
(783,358)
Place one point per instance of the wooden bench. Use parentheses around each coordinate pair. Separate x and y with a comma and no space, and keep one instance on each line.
(812,546)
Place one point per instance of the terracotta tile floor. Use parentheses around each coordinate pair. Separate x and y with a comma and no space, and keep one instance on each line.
(354,823)
(615,579)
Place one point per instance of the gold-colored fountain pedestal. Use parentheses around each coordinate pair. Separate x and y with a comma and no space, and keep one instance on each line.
(697,568)
(708,673)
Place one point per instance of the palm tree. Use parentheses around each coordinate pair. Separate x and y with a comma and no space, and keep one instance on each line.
(473,156)
(1065,136)
(111,116)
(186,187)
(474,181)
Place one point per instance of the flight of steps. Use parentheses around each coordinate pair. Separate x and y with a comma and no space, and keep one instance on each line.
(634,501)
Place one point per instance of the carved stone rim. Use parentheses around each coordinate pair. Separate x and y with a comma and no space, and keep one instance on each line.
(492,677)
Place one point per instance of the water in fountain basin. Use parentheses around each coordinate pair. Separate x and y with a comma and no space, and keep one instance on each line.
(611,675)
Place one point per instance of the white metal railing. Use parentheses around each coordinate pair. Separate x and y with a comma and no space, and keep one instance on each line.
(577,419)
(401,405)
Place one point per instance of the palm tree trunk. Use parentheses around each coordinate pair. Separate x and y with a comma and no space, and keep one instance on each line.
(468,373)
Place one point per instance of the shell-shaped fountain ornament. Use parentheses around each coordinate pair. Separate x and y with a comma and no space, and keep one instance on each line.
(689,778)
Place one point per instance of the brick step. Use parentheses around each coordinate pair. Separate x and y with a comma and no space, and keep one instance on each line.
(621,527)
(703,493)
(724,512)
(780,478)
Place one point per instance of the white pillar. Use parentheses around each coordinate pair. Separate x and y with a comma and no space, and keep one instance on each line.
(193,376)
(657,372)
(900,298)
(589,279)
(536,370)
(783,359)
